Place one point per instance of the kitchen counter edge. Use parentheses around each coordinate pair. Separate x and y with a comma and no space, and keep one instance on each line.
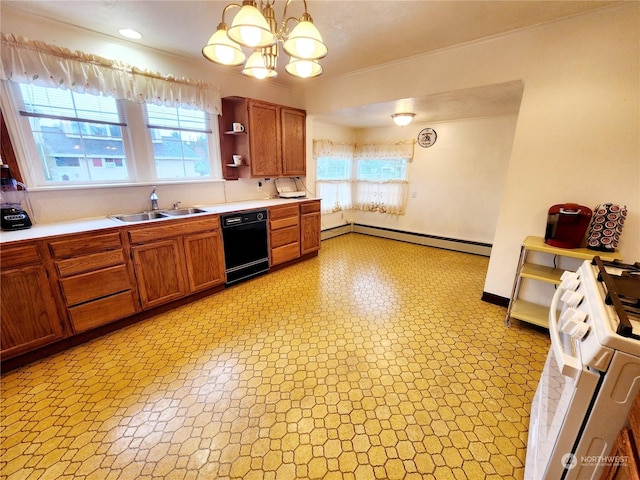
(38,231)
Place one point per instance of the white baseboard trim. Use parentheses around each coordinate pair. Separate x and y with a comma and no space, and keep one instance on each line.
(464,246)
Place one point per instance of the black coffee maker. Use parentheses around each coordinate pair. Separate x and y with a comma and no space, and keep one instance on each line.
(12,195)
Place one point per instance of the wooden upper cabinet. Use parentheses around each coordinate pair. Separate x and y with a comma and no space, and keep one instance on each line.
(292,123)
(264,139)
(272,145)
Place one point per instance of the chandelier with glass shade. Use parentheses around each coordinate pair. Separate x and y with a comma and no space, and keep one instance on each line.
(256,28)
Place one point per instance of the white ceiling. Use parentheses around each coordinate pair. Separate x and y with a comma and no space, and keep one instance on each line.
(359,34)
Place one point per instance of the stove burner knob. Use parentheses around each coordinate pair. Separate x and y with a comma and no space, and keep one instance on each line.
(573,323)
(570,281)
(573,315)
(572,299)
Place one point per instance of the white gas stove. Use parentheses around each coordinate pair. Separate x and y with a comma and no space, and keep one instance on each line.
(592,373)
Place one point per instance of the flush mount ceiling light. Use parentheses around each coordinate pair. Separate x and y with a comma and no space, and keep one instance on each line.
(256,29)
(129,33)
(403,119)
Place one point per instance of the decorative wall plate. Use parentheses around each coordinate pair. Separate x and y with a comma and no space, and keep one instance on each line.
(427,137)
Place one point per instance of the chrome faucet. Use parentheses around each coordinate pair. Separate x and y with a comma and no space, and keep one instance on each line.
(175,205)
(154,199)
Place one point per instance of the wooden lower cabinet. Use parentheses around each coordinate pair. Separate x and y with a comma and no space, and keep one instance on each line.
(205,260)
(172,261)
(95,279)
(160,272)
(60,286)
(29,314)
(310,227)
(284,233)
(625,454)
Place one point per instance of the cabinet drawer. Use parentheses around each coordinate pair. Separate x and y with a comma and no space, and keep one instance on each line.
(284,211)
(18,256)
(310,207)
(93,314)
(86,263)
(284,236)
(85,244)
(173,229)
(93,285)
(285,253)
(284,223)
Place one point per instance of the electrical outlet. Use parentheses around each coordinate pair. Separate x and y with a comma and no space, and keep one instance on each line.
(259,186)
(414,194)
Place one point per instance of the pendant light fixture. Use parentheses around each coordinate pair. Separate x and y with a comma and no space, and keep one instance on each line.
(403,119)
(256,29)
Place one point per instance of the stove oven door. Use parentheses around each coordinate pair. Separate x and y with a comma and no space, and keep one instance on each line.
(560,405)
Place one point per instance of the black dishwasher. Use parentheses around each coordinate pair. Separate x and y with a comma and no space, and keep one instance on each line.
(246,248)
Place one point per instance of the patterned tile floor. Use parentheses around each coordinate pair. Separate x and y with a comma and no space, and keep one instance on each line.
(375,360)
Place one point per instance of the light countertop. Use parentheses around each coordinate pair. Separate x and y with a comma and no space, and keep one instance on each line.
(42,230)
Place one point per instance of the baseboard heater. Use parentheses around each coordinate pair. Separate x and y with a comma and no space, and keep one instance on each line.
(465,246)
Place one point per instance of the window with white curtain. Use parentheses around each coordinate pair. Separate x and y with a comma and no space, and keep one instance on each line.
(78,138)
(371,177)
(380,185)
(76,118)
(333,183)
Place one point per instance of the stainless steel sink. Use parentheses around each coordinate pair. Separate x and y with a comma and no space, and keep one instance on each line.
(156,214)
(179,212)
(138,217)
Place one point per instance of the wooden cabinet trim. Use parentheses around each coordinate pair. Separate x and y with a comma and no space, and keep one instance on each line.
(93,285)
(84,244)
(283,211)
(310,207)
(284,223)
(285,236)
(99,312)
(285,253)
(87,263)
(12,257)
(173,229)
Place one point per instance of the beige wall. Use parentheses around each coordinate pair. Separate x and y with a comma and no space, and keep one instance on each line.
(576,137)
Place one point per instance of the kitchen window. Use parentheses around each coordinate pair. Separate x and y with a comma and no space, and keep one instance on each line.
(371,177)
(180,139)
(79,138)
(333,183)
(79,119)
(70,134)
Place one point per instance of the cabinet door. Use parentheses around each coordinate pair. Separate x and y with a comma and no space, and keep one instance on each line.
(160,272)
(29,315)
(310,226)
(205,260)
(264,139)
(293,142)
(310,232)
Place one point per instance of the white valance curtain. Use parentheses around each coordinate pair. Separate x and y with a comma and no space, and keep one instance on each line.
(335,194)
(27,61)
(351,192)
(381,151)
(385,151)
(329,149)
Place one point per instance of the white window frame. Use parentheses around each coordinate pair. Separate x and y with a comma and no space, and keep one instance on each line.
(137,141)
